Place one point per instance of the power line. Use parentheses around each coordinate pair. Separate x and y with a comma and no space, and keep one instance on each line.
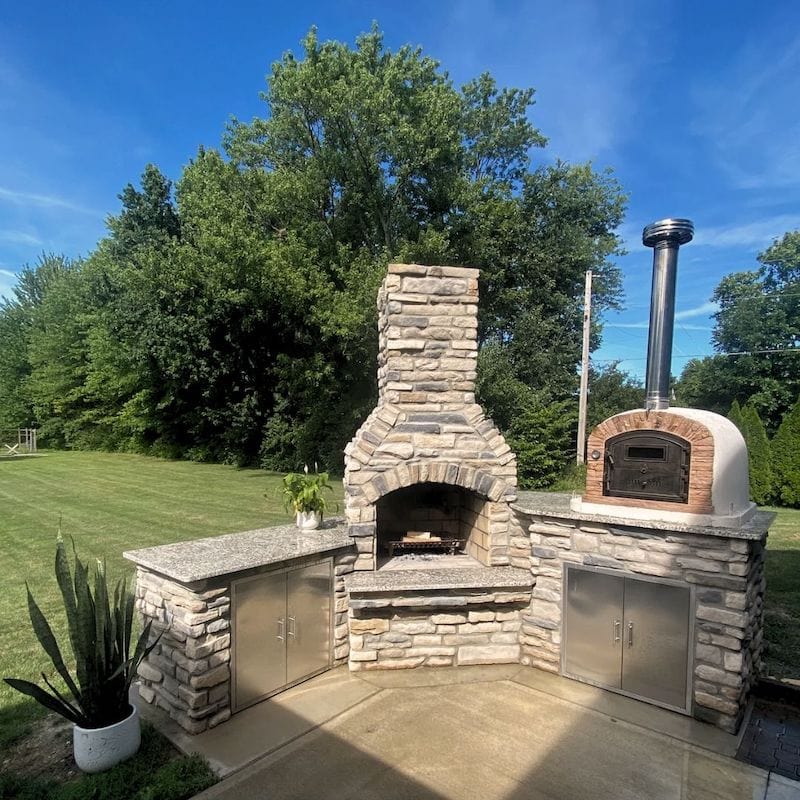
(705,355)
(735,300)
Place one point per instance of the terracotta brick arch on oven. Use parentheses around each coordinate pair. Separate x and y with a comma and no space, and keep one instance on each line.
(697,435)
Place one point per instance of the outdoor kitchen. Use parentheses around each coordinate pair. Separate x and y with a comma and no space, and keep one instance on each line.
(649,584)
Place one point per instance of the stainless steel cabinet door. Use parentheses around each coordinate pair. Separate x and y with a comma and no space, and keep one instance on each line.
(593,647)
(656,641)
(308,622)
(259,637)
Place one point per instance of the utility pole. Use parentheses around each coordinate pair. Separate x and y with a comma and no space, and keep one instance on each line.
(587,319)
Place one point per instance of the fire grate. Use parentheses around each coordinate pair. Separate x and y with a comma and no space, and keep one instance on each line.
(450,546)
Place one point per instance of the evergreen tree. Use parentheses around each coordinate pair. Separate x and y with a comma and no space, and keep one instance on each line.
(786,458)
(735,415)
(758,453)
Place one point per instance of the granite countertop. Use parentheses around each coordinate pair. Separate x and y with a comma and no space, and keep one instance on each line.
(458,578)
(196,560)
(557,504)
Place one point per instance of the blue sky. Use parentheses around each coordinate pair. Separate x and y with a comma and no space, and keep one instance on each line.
(694,106)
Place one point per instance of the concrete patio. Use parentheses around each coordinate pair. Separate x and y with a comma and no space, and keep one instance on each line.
(490,733)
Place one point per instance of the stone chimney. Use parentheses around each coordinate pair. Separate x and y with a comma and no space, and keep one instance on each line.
(427,427)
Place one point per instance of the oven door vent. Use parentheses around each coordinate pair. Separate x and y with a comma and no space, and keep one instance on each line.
(647,466)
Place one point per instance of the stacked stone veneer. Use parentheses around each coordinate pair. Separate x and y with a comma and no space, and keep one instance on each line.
(456,627)
(728,576)
(188,672)
(427,426)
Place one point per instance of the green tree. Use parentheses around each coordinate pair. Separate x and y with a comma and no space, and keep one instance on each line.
(541,431)
(759,457)
(735,415)
(58,358)
(785,448)
(234,318)
(757,334)
(374,156)
(148,214)
(15,407)
(611,391)
(17,317)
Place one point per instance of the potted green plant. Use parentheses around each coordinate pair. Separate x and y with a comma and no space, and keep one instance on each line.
(105,724)
(303,494)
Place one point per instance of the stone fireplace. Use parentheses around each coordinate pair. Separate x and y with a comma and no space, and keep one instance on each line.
(428,463)
(427,460)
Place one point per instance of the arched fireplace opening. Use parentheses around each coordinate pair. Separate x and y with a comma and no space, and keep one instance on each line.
(430,525)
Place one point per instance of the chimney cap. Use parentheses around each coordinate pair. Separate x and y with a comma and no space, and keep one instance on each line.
(676,231)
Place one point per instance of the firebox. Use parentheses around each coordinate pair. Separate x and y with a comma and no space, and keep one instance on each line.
(647,465)
(430,519)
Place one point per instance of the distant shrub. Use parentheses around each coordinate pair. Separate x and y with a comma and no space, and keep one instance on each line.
(759,456)
(543,438)
(786,458)
(735,415)
(572,479)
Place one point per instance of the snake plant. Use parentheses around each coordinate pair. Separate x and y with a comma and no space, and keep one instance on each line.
(100,626)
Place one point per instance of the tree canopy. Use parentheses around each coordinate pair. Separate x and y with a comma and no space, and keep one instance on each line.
(232,316)
(757,336)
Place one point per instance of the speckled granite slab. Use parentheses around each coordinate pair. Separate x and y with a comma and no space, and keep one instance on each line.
(556,504)
(423,579)
(196,560)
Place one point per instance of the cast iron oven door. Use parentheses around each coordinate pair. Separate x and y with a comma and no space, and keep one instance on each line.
(648,466)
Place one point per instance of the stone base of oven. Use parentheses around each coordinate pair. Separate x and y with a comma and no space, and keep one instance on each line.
(724,567)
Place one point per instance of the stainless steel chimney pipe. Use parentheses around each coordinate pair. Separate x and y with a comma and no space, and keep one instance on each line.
(665,237)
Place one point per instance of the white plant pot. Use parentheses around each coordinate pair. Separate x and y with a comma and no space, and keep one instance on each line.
(99,749)
(308,520)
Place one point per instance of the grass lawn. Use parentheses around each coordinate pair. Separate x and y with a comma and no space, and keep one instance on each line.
(108,503)
(782,609)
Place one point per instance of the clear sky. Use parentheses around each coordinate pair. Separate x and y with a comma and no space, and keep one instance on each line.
(694,106)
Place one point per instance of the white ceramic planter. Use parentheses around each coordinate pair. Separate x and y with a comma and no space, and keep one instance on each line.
(99,749)
(308,520)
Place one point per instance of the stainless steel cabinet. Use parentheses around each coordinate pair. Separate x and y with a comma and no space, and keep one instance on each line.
(628,634)
(281,630)
(259,626)
(308,620)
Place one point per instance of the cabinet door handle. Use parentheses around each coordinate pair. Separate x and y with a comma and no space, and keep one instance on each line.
(616,631)
(280,628)
(630,634)
(292,628)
